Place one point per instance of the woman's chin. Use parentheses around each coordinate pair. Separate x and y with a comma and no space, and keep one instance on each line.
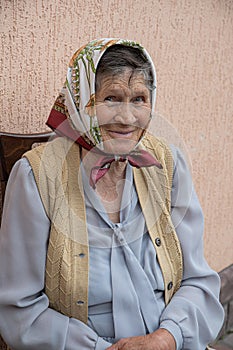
(119,146)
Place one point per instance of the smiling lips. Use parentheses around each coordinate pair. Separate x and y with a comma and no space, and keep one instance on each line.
(121,133)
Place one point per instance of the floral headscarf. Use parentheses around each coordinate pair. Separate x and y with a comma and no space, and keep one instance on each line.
(73,113)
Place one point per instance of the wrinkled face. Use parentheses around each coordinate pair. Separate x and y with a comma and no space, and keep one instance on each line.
(123,108)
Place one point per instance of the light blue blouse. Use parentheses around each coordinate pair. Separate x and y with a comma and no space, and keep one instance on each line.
(126,284)
(119,261)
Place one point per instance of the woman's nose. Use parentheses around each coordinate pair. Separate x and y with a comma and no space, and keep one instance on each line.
(125,113)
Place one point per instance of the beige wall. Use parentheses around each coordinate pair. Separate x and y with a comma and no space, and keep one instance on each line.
(191,42)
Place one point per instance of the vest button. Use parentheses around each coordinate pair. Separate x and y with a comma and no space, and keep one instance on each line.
(170,285)
(158,242)
(80,302)
(80,255)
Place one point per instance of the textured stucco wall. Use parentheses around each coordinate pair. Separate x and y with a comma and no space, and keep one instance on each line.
(191,42)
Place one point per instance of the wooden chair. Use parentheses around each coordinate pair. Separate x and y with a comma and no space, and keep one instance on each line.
(12,147)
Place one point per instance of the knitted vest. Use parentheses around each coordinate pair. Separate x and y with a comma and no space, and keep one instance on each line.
(57,175)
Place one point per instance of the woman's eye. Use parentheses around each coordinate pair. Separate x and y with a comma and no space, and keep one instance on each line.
(110,99)
(139,99)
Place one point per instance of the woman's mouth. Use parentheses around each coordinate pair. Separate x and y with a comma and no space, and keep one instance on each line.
(120,133)
(120,140)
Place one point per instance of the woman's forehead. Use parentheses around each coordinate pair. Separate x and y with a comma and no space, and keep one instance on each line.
(127,78)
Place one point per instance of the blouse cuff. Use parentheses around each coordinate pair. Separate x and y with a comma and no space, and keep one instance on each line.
(102,344)
(175,330)
(80,336)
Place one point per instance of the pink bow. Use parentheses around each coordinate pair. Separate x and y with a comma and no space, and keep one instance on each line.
(138,159)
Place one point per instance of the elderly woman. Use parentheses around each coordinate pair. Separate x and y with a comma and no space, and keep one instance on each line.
(101,240)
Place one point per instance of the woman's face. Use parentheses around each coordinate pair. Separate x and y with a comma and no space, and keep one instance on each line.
(123,108)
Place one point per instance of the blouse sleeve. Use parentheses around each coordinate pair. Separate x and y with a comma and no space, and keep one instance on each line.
(26,321)
(194,315)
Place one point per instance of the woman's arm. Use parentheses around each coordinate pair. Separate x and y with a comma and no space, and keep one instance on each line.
(195,310)
(26,321)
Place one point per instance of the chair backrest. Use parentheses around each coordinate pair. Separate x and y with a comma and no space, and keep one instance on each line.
(12,147)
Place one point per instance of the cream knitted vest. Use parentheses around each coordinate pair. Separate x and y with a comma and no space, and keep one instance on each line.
(56,170)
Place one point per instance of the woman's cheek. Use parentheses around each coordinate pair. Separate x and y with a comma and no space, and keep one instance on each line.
(143,115)
(104,114)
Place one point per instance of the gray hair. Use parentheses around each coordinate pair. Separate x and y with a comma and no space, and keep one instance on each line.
(118,58)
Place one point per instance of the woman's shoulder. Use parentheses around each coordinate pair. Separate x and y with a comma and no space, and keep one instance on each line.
(52,152)
(151,141)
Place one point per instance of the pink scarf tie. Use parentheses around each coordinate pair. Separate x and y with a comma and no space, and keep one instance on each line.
(138,159)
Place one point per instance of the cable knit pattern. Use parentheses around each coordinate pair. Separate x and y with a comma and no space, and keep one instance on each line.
(154,192)
(56,170)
